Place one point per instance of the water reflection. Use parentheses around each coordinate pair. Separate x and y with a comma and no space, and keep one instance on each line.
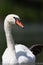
(38,63)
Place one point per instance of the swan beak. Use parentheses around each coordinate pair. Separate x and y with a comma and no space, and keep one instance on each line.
(19,24)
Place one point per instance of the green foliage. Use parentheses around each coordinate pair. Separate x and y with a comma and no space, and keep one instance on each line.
(27,12)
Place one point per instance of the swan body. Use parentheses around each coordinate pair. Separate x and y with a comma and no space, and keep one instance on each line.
(15,54)
(23,56)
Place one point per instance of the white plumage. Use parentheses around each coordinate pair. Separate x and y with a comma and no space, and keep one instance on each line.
(15,54)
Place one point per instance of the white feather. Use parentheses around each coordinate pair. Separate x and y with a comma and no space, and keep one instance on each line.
(15,54)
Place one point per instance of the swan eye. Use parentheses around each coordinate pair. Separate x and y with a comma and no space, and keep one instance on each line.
(15,18)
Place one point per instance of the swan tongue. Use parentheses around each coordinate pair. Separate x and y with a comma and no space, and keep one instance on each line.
(19,23)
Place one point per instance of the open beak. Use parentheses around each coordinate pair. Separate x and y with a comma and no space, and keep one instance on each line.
(19,24)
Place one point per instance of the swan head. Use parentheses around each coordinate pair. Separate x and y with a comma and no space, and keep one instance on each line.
(14,19)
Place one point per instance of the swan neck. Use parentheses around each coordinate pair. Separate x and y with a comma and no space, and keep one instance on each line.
(9,38)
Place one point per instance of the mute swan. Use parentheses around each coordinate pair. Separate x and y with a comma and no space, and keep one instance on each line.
(15,54)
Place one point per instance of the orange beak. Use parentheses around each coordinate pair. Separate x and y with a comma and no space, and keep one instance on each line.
(19,23)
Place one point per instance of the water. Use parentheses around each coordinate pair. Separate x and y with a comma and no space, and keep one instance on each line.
(36,63)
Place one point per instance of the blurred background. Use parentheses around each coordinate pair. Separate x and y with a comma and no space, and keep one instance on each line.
(31,14)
